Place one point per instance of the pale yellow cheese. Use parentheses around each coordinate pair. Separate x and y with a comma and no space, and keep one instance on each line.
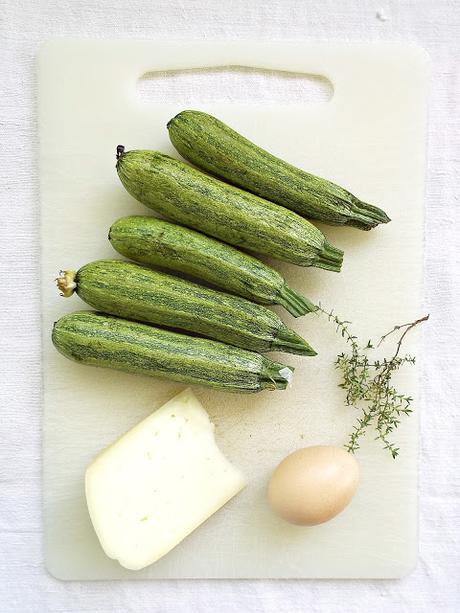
(160,481)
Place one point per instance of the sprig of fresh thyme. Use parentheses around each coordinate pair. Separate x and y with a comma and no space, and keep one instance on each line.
(368,384)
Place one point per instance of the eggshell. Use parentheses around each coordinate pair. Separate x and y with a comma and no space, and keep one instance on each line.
(314,484)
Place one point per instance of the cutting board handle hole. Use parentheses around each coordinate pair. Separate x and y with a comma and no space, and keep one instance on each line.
(237,84)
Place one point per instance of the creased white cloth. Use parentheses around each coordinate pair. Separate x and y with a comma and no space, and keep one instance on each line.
(24,584)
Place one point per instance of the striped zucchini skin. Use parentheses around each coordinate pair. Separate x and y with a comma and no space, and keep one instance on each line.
(153,241)
(213,146)
(199,201)
(135,292)
(102,340)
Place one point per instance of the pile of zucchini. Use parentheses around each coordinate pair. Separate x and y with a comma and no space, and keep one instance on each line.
(250,200)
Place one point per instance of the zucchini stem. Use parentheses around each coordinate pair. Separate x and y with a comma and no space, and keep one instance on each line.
(330,258)
(276,376)
(294,302)
(66,282)
(289,341)
(366,216)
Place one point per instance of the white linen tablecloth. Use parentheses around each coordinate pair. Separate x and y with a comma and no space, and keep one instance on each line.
(25,586)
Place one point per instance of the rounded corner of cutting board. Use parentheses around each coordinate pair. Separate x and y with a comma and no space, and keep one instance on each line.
(407,567)
(53,571)
(47,48)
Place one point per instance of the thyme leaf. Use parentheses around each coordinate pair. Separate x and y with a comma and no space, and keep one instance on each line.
(368,384)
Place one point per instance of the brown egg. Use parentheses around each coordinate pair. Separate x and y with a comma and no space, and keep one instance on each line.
(314,484)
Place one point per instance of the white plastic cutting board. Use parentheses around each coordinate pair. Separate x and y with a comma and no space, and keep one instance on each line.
(370,138)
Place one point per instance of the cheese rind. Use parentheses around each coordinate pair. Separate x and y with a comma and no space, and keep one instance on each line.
(157,483)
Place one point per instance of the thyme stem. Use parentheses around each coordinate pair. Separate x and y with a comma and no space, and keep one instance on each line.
(407,327)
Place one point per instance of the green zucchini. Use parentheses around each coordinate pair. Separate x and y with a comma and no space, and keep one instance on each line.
(191,198)
(213,146)
(134,292)
(102,340)
(152,241)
